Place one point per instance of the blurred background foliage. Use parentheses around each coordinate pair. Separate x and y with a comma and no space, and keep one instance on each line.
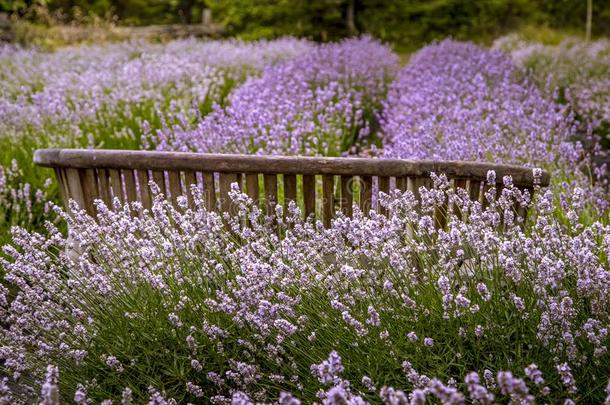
(405,23)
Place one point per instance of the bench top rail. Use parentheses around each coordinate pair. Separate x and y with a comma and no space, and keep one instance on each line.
(303,165)
(321,186)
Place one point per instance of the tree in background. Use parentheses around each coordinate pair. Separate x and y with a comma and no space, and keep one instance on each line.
(407,22)
(321,19)
(130,12)
(14,6)
(185,9)
(415,21)
(566,12)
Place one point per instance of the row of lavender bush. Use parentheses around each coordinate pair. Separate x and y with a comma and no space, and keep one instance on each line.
(176,306)
(101,96)
(459,101)
(575,72)
(319,103)
(76,92)
(134,95)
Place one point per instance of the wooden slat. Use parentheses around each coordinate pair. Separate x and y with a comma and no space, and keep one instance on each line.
(225,181)
(209,191)
(418,183)
(116,184)
(145,194)
(290,190)
(175,186)
(366,194)
(384,187)
(401,183)
(460,184)
(159,179)
(72,178)
(103,180)
(63,183)
(252,187)
(241,182)
(347,195)
(181,161)
(474,189)
(411,187)
(190,180)
(88,183)
(130,185)
(309,194)
(328,195)
(270,191)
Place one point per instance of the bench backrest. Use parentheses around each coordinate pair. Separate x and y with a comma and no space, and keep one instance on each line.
(319,185)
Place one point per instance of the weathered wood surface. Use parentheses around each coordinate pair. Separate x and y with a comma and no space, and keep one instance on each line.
(320,186)
(181,161)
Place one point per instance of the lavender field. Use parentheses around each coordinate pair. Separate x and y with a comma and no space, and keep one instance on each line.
(182,305)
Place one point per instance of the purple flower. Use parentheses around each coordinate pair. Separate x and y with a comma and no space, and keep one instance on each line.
(514,387)
(275,292)
(534,374)
(317,104)
(477,391)
(287,399)
(566,377)
(80,395)
(458,101)
(329,370)
(50,391)
(127,396)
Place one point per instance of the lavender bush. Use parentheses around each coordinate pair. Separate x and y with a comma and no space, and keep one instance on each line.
(319,103)
(175,306)
(91,91)
(181,305)
(102,96)
(20,203)
(458,101)
(578,71)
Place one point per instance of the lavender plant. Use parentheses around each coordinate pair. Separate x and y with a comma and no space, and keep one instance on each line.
(319,103)
(577,70)
(20,203)
(102,96)
(459,101)
(92,91)
(177,305)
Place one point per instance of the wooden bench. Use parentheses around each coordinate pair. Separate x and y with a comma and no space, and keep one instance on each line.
(319,185)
